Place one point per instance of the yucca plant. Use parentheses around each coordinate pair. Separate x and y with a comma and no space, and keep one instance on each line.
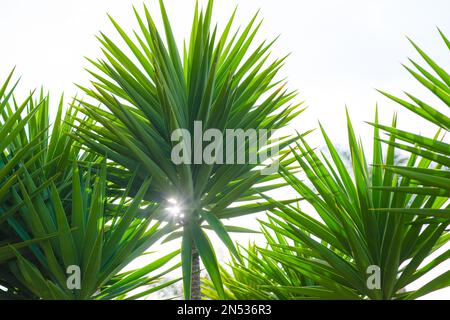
(33,146)
(148,90)
(17,154)
(42,147)
(433,181)
(354,245)
(94,241)
(42,188)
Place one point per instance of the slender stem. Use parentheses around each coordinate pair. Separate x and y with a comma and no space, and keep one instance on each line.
(196,293)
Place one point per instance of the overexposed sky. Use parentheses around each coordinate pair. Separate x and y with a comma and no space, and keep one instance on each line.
(341,50)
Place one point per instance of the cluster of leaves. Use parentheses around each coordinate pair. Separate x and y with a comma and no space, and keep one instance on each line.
(433,181)
(358,225)
(56,213)
(148,90)
(256,276)
(390,216)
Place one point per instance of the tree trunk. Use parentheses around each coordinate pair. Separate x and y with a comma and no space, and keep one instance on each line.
(195,277)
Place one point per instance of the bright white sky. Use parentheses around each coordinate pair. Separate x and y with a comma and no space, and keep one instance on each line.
(340,50)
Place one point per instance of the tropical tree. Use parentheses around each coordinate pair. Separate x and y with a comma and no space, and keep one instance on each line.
(17,155)
(95,241)
(148,91)
(354,245)
(56,216)
(434,181)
